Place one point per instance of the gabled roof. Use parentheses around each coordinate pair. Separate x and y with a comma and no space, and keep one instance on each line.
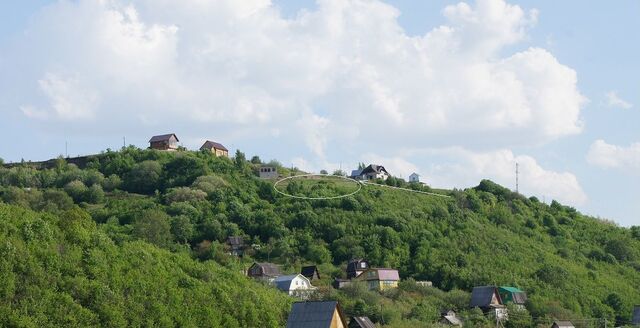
(314,314)
(353,265)
(518,296)
(635,319)
(481,296)
(309,270)
(563,324)
(383,274)
(235,240)
(452,320)
(213,145)
(362,322)
(355,173)
(373,168)
(269,269)
(284,282)
(414,173)
(163,137)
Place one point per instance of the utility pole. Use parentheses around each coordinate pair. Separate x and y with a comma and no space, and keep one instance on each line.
(517,182)
(124,142)
(66,149)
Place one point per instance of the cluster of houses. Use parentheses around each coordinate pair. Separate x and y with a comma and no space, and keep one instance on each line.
(169,142)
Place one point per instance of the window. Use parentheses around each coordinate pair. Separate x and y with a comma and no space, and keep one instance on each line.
(363,264)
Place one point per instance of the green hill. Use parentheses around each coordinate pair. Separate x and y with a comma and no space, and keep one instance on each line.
(136,238)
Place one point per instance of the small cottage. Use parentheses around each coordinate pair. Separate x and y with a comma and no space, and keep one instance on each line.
(450,318)
(295,285)
(340,283)
(414,177)
(264,271)
(326,314)
(361,322)
(513,295)
(562,324)
(164,142)
(268,172)
(311,272)
(488,299)
(380,278)
(355,267)
(216,148)
(236,245)
(635,318)
(373,172)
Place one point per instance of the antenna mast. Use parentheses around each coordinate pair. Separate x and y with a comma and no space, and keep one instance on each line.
(517,182)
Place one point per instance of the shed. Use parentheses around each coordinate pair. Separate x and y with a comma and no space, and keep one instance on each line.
(562,324)
(216,148)
(513,295)
(341,283)
(361,322)
(635,318)
(311,272)
(414,177)
(355,267)
(321,314)
(268,271)
(164,142)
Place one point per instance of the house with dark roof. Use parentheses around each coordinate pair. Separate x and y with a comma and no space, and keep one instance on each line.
(164,142)
(450,318)
(340,283)
(264,271)
(380,278)
(373,172)
(236,245)
(295,285)
(562,324)
(326,314)
(355,267)
(216,148)
(488,299)
(512,295)
(635,318)
(361,322)
(311,272)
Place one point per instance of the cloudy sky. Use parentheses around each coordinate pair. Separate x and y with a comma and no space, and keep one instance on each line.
(456,91)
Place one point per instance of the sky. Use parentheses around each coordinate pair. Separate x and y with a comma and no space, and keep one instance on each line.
(455,91)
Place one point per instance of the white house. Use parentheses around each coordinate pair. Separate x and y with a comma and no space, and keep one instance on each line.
(295,285)
(373,172)
(414,177)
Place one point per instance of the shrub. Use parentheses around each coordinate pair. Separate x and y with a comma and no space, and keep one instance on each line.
(77,190)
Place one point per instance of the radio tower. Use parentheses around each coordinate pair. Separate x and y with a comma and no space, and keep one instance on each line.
(517,182)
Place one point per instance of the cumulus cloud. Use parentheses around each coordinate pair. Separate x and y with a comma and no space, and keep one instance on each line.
(340,77)
(607,155)
(614,101)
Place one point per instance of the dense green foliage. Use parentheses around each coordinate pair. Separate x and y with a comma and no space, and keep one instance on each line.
(180,207)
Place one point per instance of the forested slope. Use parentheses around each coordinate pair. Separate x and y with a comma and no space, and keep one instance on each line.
(187,203)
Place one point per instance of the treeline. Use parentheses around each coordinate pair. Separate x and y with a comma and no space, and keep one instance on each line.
(188,203)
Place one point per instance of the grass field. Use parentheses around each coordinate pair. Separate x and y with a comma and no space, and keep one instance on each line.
(317,186)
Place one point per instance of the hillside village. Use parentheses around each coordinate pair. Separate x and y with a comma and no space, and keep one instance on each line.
(308,285)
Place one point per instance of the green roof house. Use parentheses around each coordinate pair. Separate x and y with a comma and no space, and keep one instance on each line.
(512,295)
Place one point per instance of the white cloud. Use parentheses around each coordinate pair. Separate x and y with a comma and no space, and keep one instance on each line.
(342,77)
(462,168)
(606,155)
(614,101)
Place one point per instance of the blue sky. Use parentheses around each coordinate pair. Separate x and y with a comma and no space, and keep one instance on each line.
(455,92)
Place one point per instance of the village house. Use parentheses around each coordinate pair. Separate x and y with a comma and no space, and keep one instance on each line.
(562,324)
(361,322)
(488,299)
(164,142)
(216,148)
(268,172)
(371,172)
(264,271)
(513,295)
(236,245)
(295,285)
(340,283)
(311,272)
(380,278)
(355,267)
(450,318)
(321,314)
(635,318)
(414,177)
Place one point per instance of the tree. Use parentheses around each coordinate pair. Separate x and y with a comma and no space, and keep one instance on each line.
(256,160)
(77,190)
(94,194)
(239,160)
(339,173)
(324,172)
(182,228)
(153,226)
(144,177)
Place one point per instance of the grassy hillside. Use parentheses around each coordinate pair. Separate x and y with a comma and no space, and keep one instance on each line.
(186,204)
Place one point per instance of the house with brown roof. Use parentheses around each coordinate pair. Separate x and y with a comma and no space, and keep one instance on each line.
(380,278)
(216,148)
(319,314)
(264,271)
(164,142)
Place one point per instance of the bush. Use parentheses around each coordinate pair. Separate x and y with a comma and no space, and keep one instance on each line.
(144,177)
(153,226)
(77,190)
(94,194)
(111,183)
(185,194)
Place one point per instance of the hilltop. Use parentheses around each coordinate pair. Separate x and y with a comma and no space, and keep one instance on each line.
(99,235)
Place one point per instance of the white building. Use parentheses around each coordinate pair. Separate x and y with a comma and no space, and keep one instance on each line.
(295,285)
(414,177)
(268,172)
